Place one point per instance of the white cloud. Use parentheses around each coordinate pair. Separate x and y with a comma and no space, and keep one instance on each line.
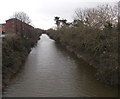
(42,12)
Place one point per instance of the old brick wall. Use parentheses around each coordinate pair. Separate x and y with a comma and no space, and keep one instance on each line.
(10,26)
(16,26)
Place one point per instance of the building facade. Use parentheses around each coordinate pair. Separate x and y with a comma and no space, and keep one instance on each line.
(16,26)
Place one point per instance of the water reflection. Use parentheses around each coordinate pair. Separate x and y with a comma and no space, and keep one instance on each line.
(51,71)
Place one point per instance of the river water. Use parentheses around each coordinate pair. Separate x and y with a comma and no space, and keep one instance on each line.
(51,71)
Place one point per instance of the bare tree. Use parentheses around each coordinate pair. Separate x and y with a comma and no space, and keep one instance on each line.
(22,17)
(99,16)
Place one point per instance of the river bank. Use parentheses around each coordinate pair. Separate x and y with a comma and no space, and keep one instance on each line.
(94,51)
(95,64)
(52,71)
(15,50)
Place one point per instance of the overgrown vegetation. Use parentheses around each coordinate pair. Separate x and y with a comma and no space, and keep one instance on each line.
(94,33)
(15,49)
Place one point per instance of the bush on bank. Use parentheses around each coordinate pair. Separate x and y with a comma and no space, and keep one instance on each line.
(14,53)
(100,41)
(101,45)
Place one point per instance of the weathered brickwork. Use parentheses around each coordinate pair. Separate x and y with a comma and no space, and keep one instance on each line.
(16,26)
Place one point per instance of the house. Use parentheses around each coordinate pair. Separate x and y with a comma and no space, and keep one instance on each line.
(2,28)
(16,26)
(2,31)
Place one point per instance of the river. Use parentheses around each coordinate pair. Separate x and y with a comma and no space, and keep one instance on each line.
(51,71)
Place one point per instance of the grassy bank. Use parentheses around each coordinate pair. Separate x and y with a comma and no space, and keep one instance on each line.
(15,50)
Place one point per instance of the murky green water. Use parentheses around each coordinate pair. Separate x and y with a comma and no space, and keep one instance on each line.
(51,71)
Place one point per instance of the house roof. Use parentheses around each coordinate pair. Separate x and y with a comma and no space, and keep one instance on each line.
(11,19)
(18,20)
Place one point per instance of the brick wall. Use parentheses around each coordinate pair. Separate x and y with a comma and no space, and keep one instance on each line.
(10,27)
(16,26)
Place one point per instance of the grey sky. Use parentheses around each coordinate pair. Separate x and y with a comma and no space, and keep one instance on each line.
(42,12)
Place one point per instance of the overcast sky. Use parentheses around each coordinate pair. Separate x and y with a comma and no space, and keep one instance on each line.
(42,12)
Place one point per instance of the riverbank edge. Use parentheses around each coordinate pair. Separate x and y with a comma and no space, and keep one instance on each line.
(16,70)
(87,58)
(13,74)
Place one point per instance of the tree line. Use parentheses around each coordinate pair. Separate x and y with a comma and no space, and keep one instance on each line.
(15,49)
(94,32)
